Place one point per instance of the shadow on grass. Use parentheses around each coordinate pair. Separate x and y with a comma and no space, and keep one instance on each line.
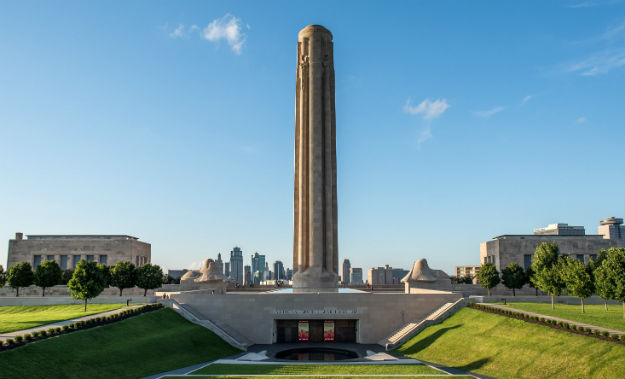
(427,341)
(474,365)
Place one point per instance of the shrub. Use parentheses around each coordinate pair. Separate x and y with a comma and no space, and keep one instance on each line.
(596,332)
(573,327)
(65,327)
(28,337)
(43,333)
(542,319)
(605,333)
(19,338)
(51,331)
(588,330)
(57,330)
(623,337)
(614,336)
(10,342)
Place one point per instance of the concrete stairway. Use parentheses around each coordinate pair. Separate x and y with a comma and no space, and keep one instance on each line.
(411,329)
(223,331)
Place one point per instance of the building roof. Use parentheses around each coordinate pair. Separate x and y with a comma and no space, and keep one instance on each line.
(543,236)
(80,237)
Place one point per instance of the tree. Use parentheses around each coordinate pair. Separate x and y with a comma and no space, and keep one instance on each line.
(604,287)
(123,275)
(3,277)
(87,282)
(20,275)
(578,279)
(529,273)
(614,266)
(106,271)
(513,277)
(488,276)
(47,274)
(546,266)
(66,275)
(149,276)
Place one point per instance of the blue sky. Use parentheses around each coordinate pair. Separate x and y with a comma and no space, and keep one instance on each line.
(174,122)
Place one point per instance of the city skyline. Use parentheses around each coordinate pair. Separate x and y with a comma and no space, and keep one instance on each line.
(176,125)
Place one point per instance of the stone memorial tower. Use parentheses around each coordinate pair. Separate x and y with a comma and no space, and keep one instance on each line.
(315,242)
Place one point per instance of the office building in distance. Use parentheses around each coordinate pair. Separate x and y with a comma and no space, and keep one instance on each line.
(467,271)
(571,240)
(68,250)
(380,275)
(355,276)
(236,265)
(345,271)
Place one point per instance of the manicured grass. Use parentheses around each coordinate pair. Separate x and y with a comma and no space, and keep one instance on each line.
(246,369)
(400,376)
(144,345)
(503,347)
(594,315)
(23,317)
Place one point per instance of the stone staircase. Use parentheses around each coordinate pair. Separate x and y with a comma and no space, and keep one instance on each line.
(226,333)
(411,329)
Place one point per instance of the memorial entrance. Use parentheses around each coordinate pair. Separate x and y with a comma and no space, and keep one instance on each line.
(288,331)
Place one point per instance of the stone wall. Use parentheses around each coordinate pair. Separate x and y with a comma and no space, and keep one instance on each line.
(63,300)
(253,314)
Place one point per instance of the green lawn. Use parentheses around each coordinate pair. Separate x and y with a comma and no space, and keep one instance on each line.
(23,317)
(503,347)
(246,369)
(594,315)
(144,345)
(402,376)
(317,377)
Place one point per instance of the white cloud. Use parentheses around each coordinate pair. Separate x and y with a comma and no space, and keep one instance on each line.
(430,109)
(228,28)
(581,120)
(526,99)
(598,63)
(178,31)
(488,113)
(424,135)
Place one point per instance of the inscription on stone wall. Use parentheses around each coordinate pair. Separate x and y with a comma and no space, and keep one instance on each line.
(315,311)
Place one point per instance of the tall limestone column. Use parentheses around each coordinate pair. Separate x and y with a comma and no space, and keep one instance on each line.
(315,243)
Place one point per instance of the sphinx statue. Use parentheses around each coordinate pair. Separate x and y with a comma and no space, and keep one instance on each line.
(208,277)
(421,276)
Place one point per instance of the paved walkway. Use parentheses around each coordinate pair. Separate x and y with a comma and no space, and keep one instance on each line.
(576,323)
(5,336)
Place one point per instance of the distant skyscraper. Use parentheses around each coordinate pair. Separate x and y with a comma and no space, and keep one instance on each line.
(289,274)
(355,275)
(345,271)
(612,228)
(247,279)
(278,271)
(258,266)
(220,263)
(236,265)
(380,275)
(227,269)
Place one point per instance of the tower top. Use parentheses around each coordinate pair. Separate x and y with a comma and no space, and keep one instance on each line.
(314,29)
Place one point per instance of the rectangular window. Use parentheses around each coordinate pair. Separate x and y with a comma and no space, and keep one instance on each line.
(593,257)
(75,262)
(103,259)
(50,257)
(527,260)
(63,262)
(580,257)
(36,260)
(89,258)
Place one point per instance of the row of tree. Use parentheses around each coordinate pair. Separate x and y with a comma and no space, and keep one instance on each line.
(48,273)
(552,273)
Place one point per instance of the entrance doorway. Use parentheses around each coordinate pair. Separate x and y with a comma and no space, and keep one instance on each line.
(289,331)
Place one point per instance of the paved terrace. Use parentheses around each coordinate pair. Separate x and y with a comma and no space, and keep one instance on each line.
(59,324)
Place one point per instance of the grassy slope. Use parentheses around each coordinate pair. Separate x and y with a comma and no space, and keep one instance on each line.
(139,346)
(23,317)
(222,369)
(507,348)
(595,314)
(318,377)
